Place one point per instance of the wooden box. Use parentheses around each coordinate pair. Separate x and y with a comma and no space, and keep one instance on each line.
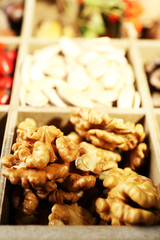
(138,51)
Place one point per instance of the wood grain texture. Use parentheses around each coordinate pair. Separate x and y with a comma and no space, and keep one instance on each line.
(79,233)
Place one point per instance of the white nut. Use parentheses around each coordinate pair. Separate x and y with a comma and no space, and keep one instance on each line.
(79,79)
(94,90)
(87,56)
(107,96)
(46,52)
(69,47)
(127,74)
(55,67)
(74,96)
(97,67)
(126,98)
(54,98)
(137,100)
(36,73)
(51,82)
(36,99)
(92,73)
(111,76)
(56,71)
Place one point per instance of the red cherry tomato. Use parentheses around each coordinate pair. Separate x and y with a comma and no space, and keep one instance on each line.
(12,54)
(6,82)
(2,46)
(4,97)
(6,65)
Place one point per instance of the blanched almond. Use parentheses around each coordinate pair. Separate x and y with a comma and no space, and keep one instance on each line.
(54,98)
(36,98)
(36,73)
(97,67)
(69,47)
(111,75)
(79,79)
(87,56)
(46,52)
(137,100)
(74,97)
(126,98)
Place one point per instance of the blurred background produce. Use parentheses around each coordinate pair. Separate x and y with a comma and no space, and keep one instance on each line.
(107,17)
(59,18)
(85,18)
(150,19)
(11,15)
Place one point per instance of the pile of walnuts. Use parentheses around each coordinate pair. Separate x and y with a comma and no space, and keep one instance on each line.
(88,177)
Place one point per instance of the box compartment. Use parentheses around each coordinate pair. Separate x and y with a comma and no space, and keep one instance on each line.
(61,119)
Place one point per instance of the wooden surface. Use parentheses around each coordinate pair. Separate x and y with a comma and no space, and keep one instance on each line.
(79,233)
(138,52)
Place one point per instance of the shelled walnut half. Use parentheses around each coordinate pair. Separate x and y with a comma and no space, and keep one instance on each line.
(70,215)
(132,200)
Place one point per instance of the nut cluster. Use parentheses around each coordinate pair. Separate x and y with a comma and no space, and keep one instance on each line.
(83,177)
(88,73)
